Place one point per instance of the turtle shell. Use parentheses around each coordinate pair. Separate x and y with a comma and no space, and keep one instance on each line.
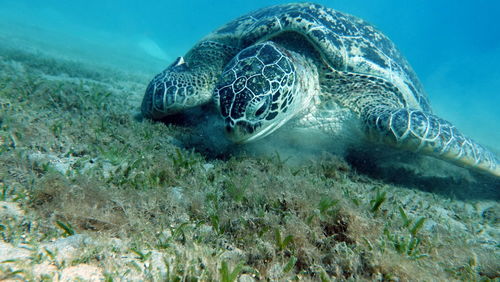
(345,43)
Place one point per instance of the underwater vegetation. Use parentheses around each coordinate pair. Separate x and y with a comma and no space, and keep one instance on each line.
(87,190)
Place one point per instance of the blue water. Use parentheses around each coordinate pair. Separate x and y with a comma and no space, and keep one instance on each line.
(453,45)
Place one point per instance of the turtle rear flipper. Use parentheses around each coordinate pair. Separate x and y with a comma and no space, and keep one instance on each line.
(415,130)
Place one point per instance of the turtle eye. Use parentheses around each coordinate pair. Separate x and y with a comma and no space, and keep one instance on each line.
(258,108)
(261,110)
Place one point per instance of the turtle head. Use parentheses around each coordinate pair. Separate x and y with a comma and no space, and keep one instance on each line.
(259,91)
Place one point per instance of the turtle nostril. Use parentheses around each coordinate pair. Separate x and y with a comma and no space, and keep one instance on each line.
(229,128)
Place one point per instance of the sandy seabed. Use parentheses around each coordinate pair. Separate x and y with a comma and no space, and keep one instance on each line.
(90,190)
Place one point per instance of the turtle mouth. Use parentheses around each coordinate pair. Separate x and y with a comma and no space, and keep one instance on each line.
(244,132)
(241,131)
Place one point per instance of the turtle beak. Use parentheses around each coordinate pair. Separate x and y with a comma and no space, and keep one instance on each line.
(241,131)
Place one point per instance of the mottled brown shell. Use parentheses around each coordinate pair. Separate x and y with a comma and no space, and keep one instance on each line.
(345,42)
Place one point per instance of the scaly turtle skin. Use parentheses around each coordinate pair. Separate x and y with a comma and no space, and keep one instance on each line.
(309,66)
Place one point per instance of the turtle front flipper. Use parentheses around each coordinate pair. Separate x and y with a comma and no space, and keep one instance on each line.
(415,130)
(188,82)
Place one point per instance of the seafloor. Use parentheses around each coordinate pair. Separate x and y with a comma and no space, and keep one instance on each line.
(90,190)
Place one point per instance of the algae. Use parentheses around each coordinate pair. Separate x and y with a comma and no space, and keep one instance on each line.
(154,203)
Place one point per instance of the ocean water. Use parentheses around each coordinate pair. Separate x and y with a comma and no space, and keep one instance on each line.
(454,46)
(135,201)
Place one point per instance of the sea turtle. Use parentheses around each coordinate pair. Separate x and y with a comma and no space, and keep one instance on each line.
(310,66)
